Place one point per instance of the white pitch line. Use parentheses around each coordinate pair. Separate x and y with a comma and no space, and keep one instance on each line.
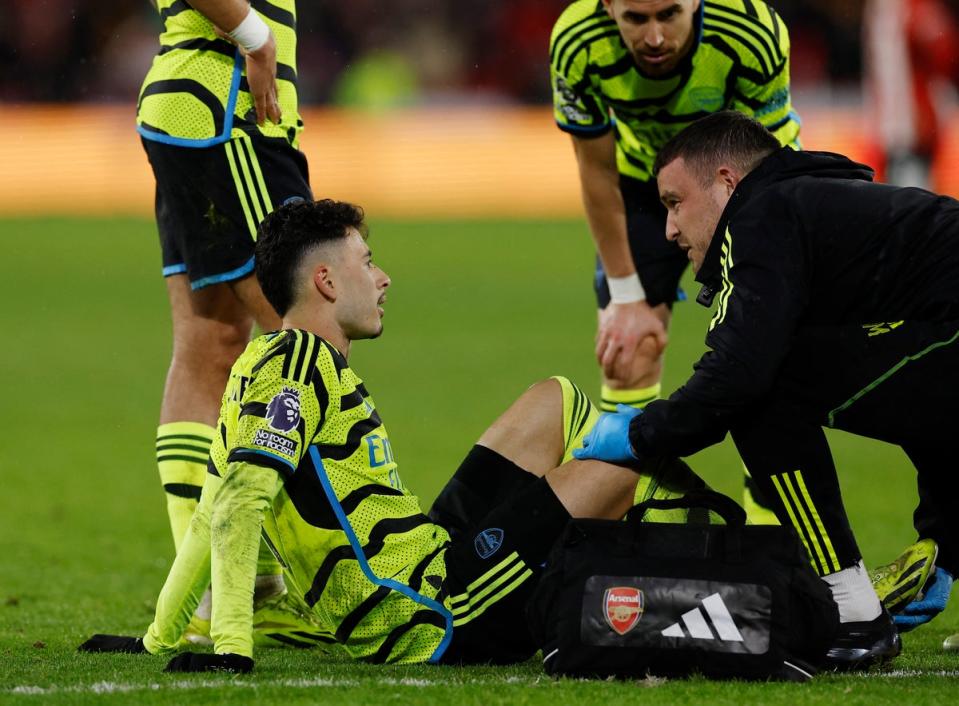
(911,673)
(106,687)
(117,688)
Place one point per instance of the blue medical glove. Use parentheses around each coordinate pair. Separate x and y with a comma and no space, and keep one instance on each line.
(932,604)
(609,439)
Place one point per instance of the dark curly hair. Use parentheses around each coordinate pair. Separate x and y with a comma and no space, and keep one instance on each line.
(292,230)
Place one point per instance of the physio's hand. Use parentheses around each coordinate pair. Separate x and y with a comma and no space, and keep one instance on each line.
(932,603)
(609,439)
(113,643)
(622,328)
(195,662)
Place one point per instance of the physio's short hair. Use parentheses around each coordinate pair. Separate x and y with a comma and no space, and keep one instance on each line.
(726,137)
(288,234)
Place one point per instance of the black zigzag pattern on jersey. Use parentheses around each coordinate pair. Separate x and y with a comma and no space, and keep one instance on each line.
(292,340)
(175,8)
(746,46)
(308,497)
(305,357)
(416,578)
(353,500)
(420,617)
(253,409)
(781,123)
(309,372)
(194,88)
(575,33)
(218,46)
(322,398)
(272,12)
(309,641)
(339,362)
(279,346)
(355,616)
(338,452)
(375,542)
(753,36)
(772,36)
(262,460)
(622,65)
(745,72)
(571,57)
(351,400)
(284,72)
(662,116)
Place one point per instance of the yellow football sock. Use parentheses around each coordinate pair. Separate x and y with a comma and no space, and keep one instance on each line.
(638,397)
(182,452)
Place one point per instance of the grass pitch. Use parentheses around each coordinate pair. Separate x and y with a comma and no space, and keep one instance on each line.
(477,311)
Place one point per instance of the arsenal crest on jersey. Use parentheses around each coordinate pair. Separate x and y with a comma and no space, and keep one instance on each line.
(623,607)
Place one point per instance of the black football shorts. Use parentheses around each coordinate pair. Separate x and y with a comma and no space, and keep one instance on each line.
(498,549)
(210,200)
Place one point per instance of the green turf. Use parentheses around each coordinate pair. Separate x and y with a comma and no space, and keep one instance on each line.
(477,311)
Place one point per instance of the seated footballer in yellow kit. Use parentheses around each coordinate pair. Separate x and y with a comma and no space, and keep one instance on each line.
(302,458)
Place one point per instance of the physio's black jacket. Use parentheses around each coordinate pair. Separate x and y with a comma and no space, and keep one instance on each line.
(807,239)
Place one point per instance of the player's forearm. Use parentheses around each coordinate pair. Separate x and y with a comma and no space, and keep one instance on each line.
(603,201)
(188,578)
(237,518)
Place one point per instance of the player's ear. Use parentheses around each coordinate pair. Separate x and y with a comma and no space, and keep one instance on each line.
(323,281)
(729,178)
(608,6)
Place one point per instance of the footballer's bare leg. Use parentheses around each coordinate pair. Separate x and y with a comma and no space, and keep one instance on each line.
(530,432)
(248,291)
(211,327)
(594,489)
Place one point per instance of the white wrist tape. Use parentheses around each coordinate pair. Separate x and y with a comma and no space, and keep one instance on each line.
(252,33)
(625,290)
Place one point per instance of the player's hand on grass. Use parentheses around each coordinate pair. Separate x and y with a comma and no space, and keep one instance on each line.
(113,643)
(622,328)
(195,662)
(923,610)
(609,439)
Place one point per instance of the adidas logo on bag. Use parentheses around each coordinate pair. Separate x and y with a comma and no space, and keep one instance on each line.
(697,628)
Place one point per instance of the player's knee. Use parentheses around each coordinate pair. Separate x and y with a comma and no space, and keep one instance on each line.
(546,396)
(211,345)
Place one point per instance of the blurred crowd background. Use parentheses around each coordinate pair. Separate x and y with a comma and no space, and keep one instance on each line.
(369,53)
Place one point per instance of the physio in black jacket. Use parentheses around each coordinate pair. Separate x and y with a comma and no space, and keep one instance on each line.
(837,305)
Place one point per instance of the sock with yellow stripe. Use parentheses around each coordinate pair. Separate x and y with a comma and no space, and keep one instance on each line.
(638,397)
(182,452)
